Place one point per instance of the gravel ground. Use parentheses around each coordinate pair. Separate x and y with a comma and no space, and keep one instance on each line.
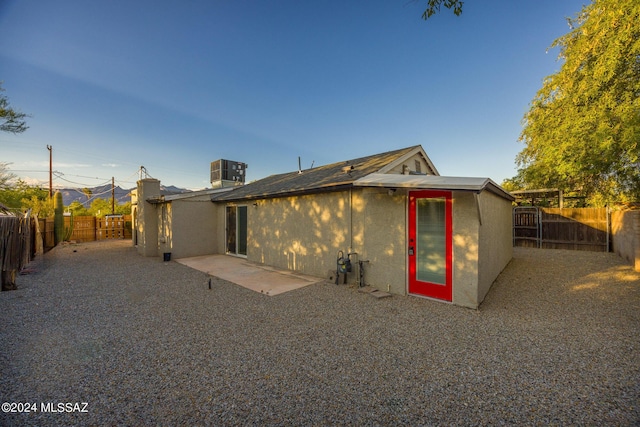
(144,342)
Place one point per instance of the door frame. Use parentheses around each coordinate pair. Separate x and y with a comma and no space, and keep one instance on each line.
(430,290)
(236,230)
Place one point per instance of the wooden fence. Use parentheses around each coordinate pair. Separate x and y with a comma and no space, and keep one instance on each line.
(46,231)
(585,229)
(15,248)
(87,229)
(21,238)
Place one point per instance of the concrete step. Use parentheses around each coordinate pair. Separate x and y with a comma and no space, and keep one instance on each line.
(374,292)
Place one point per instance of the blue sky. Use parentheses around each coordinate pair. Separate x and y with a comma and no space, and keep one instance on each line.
(173,85)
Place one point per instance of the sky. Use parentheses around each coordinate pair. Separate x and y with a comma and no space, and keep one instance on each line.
(174,85)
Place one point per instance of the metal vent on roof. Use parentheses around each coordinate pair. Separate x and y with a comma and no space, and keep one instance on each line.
(225,173)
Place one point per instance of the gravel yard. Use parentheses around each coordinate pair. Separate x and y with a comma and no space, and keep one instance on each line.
(144,342)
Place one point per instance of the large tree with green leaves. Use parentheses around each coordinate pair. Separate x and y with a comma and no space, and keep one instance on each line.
(433,7)
(582,131)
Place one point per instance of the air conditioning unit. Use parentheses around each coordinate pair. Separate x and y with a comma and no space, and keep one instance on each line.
(226,173)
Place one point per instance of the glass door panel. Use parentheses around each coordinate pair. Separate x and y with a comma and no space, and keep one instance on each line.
(236,224)
(242,230)
(431,241)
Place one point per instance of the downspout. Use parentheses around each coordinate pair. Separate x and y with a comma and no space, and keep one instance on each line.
(350,249)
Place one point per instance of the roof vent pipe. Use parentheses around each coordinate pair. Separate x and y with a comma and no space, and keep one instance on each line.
(299,165)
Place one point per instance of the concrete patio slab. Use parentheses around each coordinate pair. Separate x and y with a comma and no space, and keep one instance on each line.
(266,280)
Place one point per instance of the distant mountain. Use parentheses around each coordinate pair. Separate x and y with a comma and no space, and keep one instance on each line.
(172,189)
(122,195)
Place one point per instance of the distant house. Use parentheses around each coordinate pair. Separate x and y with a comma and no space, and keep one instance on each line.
(421,234)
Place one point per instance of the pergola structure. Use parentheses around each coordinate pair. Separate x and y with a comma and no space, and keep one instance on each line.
(534,195)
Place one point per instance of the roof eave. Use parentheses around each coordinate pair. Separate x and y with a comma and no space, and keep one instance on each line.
(419,182)
(289,193)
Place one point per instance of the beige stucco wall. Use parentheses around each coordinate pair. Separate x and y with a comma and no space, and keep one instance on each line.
(219,229)
(480,252)
(134,216)
(164,220)
(482,244)
(187,227)
(496,240)
(384,238)
(146,223)
(184,227)
(302,233)
(625,230)
(305,234)
(465,249)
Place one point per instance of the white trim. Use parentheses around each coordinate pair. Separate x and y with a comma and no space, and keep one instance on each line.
(432,182)
(399,161)
(198,193)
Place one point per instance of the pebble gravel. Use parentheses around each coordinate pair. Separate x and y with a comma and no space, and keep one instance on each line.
(146,342)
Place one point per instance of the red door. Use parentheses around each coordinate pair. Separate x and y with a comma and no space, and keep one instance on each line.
(430,245)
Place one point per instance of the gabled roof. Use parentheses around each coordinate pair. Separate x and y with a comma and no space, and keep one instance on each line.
(322,178)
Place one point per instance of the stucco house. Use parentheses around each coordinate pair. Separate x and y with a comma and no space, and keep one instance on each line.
(421,234)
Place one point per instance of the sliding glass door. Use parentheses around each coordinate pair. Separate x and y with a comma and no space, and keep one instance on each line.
(236,218)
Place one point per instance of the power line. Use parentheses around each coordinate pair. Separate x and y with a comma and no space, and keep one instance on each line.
(60,174)
(89,177)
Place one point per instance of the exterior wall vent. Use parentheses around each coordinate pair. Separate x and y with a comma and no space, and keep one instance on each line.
(227,173)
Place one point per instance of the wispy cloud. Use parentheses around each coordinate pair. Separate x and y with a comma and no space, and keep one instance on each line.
(110,165)
(71,165)
(44,165)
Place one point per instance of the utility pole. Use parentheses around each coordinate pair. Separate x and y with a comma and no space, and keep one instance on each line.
(113,197)
(50,148)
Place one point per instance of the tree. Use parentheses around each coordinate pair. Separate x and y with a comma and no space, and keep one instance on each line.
(87,192)
(433,7)
(10,119)
(582,130)
(123,209)
(41,204)
(78,209)
(21,196)
(6,176)
(100,207)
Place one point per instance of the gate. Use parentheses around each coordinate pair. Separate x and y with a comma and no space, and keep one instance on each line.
(584,229)
(112,227)
(90,228)
(526,227)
